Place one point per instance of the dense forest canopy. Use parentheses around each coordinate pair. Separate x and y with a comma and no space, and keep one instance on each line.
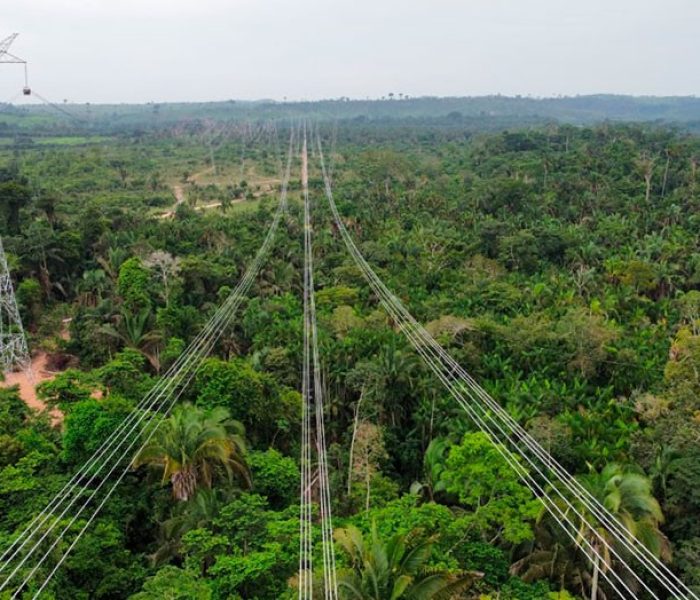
(559,264)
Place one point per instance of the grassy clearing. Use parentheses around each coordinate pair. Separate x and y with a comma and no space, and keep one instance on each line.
(55,141)
(71,140)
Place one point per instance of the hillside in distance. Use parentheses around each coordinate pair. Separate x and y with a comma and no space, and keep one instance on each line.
(478,113)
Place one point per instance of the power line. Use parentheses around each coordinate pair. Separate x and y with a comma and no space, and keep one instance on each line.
(390,307)
(312,392)
(243,287)
(181,377)
(452,374)
(306,498)
(60,109)
(170,381)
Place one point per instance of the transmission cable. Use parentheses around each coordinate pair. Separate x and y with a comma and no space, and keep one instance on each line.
(199,349)
(243,287)
(429,349)
(506,455)
(313,395)
(420,346)
(170,380)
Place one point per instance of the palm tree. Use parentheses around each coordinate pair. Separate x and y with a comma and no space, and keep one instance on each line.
(551,556)
(194,445)
(133,331)
(666,460)
(91,287)
(433,466)
(397,371)
(277,277)
(110,263)
(628,497)
(394,570)
(199,511)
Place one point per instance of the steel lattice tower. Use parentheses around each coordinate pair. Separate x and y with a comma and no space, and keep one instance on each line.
(13,345)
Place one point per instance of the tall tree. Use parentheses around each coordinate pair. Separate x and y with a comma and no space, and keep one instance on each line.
(395,569)
(13,196)
(192,445)
(628,497)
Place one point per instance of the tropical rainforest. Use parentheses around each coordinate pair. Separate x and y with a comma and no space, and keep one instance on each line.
(559,264)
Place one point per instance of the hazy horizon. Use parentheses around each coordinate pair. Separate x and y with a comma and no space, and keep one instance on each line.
(137,52)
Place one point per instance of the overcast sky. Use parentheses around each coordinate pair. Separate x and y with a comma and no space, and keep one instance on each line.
(169,50)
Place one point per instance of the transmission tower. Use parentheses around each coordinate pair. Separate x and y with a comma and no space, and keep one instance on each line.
(14,353)
(7,57)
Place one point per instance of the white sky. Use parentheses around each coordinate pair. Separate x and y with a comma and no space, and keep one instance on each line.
(169,50)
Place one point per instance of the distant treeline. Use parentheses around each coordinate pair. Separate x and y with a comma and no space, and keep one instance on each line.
(475,113)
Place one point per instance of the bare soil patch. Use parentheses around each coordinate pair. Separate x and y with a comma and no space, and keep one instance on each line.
(28,380)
